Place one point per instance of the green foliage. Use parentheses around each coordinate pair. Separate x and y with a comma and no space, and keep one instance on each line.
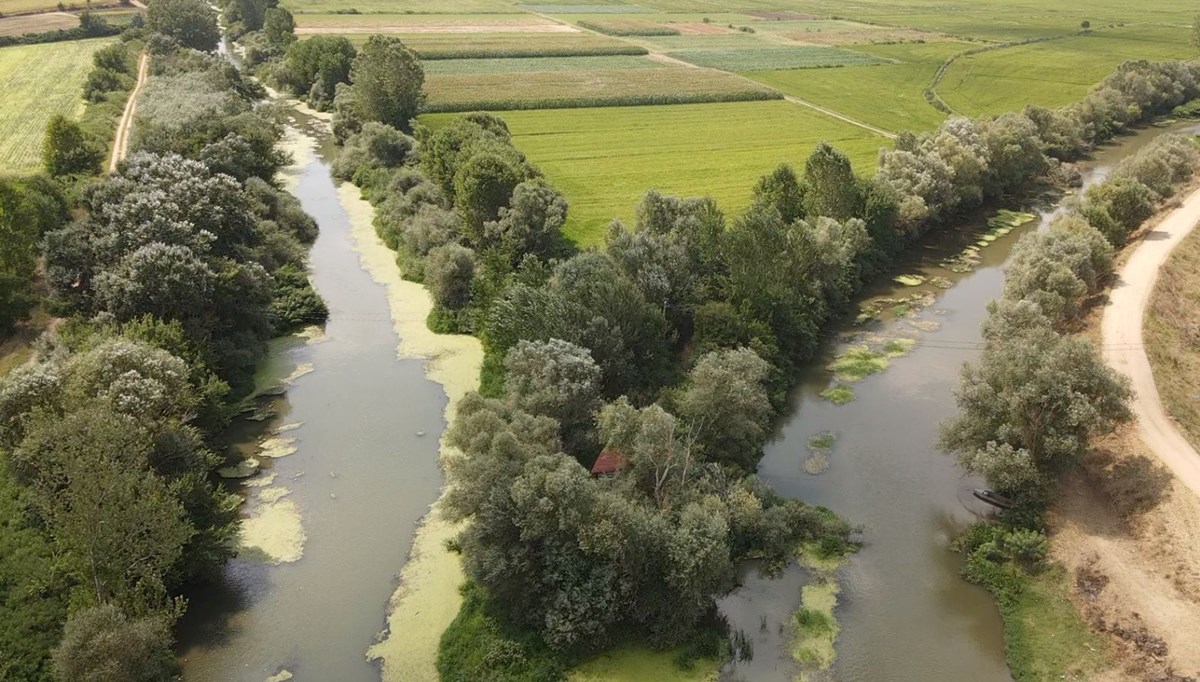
(295,303)
(388,80)
(279,27)
(313,68)
(191,22)
(27,210)
(101,643)
(33,599)
(477,646)
(67,150)
(376,146)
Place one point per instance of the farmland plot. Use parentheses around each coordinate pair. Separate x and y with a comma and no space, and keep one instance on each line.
(39,82)
(775,58)
(37,23)
(509,45)
(605,159)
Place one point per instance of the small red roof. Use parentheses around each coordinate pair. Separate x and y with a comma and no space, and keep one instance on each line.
(609,462)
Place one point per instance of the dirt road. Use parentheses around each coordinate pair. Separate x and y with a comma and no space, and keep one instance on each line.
(125,126)
(1121,331)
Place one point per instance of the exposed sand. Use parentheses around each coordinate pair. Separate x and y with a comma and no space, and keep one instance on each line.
(427,599)
(476,28)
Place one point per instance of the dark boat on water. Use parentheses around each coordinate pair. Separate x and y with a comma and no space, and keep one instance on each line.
(993,498)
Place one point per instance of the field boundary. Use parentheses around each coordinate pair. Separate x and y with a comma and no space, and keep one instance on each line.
(842,117)
(125,126)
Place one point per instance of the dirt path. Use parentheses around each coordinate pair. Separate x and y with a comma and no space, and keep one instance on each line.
(830,112)
(125,126)
(1121,332)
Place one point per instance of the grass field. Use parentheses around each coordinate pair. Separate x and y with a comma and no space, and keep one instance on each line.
(443,67)
(774,58)
(1055,72)
(408,6)
(315,20)
(855,90)
(39,82)
(604,160)
(1171,336)
(499,45)
(563,89)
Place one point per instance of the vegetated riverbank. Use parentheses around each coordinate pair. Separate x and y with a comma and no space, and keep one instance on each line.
(901,592)
(1008,557)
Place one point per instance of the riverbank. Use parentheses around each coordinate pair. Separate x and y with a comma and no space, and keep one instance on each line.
(1124,528)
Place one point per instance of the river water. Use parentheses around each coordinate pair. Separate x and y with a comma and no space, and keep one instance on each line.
(364,471)
(360,479)
(905,613)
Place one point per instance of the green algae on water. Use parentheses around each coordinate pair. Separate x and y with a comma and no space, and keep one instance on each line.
(909,280)
(858,363)
(898,347)
(838,394)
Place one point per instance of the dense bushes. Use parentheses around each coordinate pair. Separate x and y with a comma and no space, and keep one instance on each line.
(28,209)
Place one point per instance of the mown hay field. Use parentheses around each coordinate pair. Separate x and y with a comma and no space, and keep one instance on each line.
(889,96)
(605,159)
(509,45)
(775,58)
(37,23)
(570,89)
(39,82)
(1053,73)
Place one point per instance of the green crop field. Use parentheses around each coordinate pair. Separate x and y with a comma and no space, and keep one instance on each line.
(628,27)
(319,20)
(39,82)
(500,45)
(774,58)
(408,6)
(605,159)
(462,67)
(583,8)
(563,89)
(1054,72)
(886,95)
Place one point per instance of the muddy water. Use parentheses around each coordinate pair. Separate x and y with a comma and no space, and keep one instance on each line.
(905,613)
(362,474)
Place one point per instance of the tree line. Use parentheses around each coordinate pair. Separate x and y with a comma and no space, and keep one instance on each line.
(170,276)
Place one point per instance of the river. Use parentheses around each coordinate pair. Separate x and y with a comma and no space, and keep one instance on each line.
(905,613)
(365,470)
(366,423)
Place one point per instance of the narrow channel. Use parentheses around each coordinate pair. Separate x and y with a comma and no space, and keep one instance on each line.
(364,471)
(905,613)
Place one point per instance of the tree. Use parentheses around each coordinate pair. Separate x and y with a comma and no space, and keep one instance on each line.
(449,271)
(313,68)
(388,81)
(1117,206)
(119,527)
(832,188)
(556,379)
(101,644)
(191,22)
(1085,24)
(1032,405)
(782,191)
(279,27)
(483,184)
(67,150)
(726,403)
(530,224)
